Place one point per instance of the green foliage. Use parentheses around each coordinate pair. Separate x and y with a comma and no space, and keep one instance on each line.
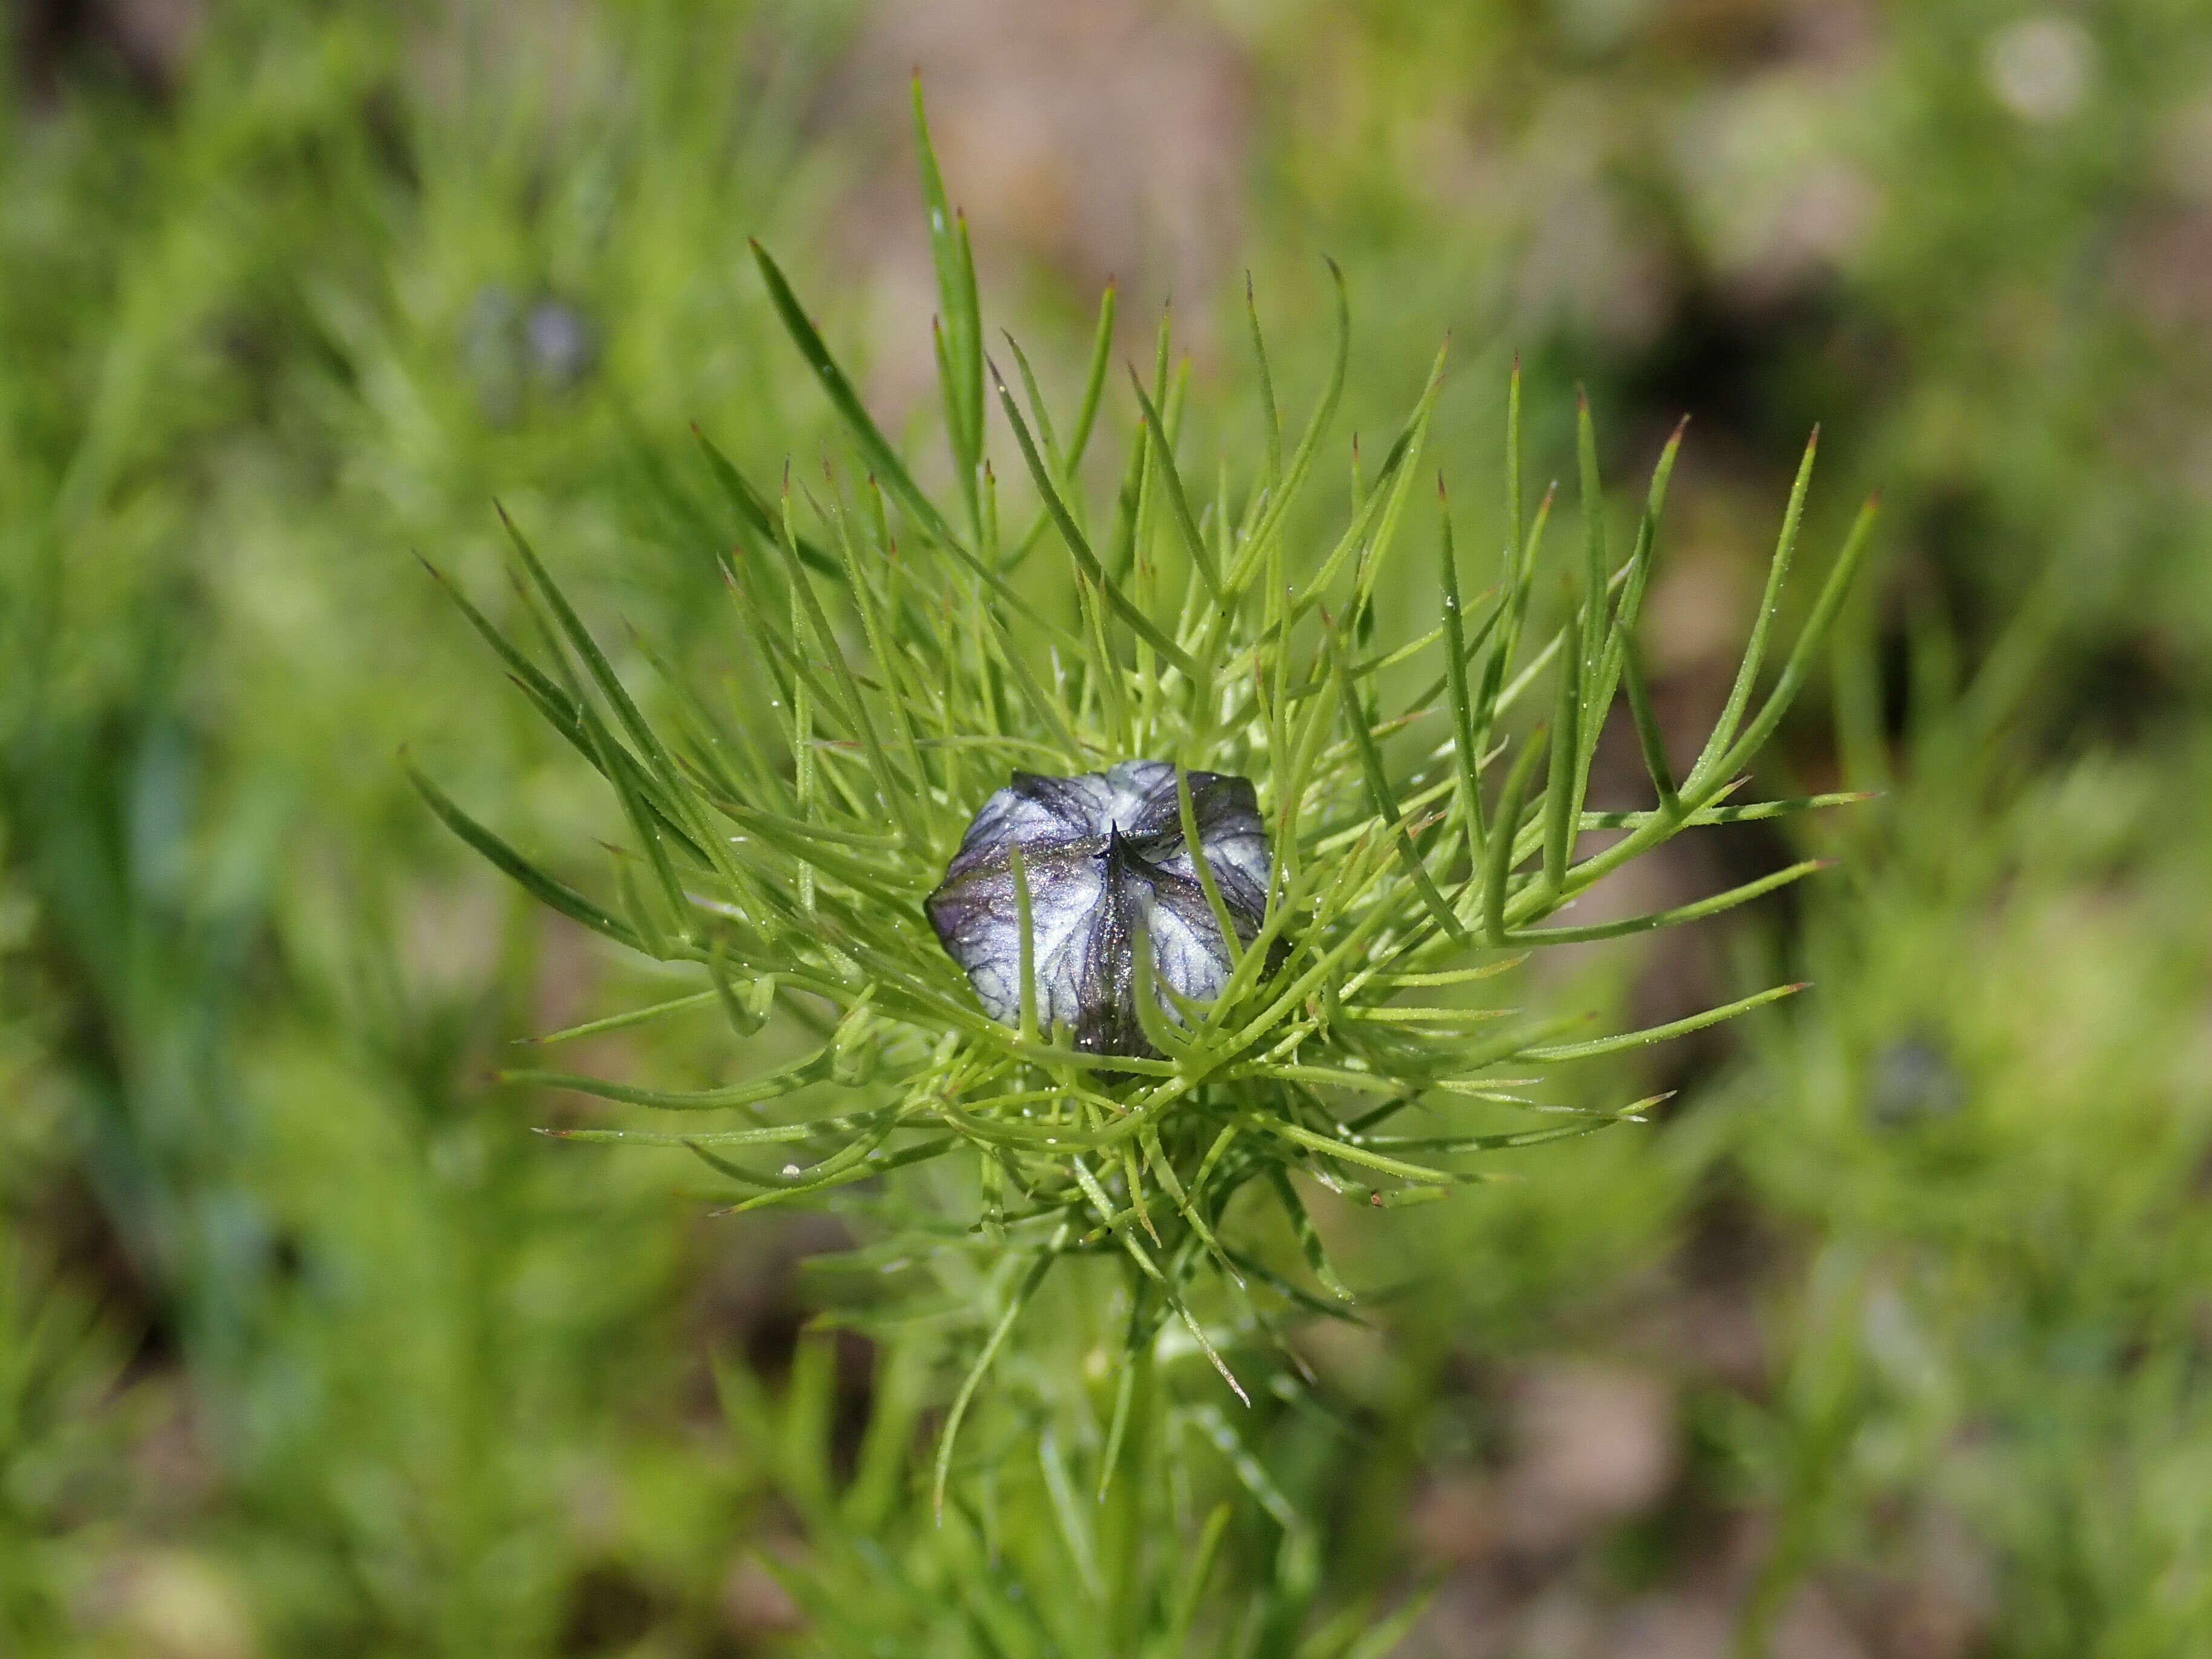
(789,869)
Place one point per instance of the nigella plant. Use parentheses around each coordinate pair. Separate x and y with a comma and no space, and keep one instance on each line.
(1103,849)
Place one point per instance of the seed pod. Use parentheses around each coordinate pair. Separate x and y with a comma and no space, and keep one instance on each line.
(1104,857)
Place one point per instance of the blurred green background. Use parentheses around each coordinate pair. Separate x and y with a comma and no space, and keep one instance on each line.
(1892,1341)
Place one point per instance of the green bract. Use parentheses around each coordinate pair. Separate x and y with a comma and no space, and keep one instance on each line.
(1420,847)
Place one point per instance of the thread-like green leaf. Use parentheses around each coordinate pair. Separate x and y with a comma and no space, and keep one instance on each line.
(1800,665)
(1750,812)
(1467,764)
(1188,816)
(553,894)
(1648,736)
(752,507)
(1497,856)
(1309,1237)
(1722,739)
(1681,913)
(1384,800)
(962,386)
(882,459)
(1614,1045)
(1595,568)
(1144,628)
(782,1081)
(1563,781)
(1094,383)
(1164,467)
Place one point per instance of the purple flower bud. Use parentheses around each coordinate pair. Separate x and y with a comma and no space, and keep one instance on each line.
(1106,863)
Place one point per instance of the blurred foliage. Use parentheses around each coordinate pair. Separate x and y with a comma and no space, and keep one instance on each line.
(1893,1336)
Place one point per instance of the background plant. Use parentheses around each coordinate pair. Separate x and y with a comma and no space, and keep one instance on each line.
(1889,1265)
